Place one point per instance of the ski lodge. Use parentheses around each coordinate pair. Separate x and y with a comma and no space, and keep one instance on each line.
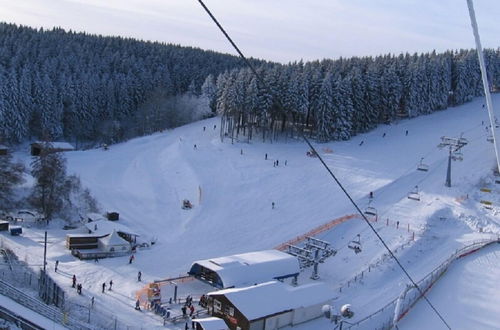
(104,239)
(269,305)
(37,147)
(246,269)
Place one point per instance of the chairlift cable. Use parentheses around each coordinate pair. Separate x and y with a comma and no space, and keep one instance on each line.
(264,84)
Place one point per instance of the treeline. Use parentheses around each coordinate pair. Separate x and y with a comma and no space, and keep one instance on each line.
(336,99)
(58,85)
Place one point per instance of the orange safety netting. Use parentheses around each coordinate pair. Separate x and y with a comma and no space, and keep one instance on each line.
(316,231)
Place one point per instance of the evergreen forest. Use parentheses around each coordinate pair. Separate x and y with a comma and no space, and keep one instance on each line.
(60,85)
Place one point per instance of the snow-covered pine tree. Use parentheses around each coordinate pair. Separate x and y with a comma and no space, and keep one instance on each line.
(49,171)
(11,174)
(208,90)
(325,117)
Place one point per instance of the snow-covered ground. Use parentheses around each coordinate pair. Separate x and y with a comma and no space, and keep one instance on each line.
(232,187)
(467,295)
(28,314)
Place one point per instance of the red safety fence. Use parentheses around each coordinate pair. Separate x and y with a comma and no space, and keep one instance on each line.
(316,231)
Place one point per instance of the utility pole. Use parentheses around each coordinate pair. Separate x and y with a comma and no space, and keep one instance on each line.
(486,85)
(454,145)
(45,253)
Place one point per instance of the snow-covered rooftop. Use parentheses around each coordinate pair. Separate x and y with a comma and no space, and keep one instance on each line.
(274,297)
(114,239)
(212,323)
(250,268)
(105,227)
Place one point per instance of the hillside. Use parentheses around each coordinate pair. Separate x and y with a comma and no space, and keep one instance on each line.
(233,186)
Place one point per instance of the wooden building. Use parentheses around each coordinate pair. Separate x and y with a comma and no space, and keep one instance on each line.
(82,241)
(246,269)
(50,147)
(270,305)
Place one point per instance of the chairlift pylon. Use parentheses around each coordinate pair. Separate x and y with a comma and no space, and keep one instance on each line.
(355,244)
(422,166)
(414,194)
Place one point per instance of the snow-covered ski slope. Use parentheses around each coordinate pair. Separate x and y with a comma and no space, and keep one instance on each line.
(468,294)
(146,180)
(232,188)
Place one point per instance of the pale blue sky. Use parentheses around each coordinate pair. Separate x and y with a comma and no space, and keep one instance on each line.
(279,30)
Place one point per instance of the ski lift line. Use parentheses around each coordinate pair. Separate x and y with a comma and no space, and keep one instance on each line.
(329,171)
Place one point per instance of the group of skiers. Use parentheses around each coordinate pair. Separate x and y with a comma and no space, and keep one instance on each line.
(75,285)
(110,286)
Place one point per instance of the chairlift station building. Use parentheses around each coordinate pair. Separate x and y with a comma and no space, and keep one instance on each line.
(270,305)
(246,269)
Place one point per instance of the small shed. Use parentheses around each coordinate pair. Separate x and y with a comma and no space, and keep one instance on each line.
(113,243)
(4,225)
(246,269)
(4,150)
(15,230)
(210,323)
(50,147)
(270,305)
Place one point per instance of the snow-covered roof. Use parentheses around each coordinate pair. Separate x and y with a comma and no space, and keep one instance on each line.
(212,323)
(250,268)
(114,239)
(106,227)
(57,145)
(273,297)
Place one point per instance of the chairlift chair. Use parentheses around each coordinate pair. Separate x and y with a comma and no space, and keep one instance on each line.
(422,166)
(489,138)
(457,155)
(355,245)
(414,194)
(370,210)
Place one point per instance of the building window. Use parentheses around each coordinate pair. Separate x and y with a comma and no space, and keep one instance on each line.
(228,310)
(217,305)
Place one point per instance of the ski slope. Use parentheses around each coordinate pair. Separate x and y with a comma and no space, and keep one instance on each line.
(467,295)
(232,187)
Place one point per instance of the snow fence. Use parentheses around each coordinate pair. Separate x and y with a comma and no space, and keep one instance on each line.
(395,310)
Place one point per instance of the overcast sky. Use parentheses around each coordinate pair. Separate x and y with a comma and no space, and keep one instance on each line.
(278,30)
